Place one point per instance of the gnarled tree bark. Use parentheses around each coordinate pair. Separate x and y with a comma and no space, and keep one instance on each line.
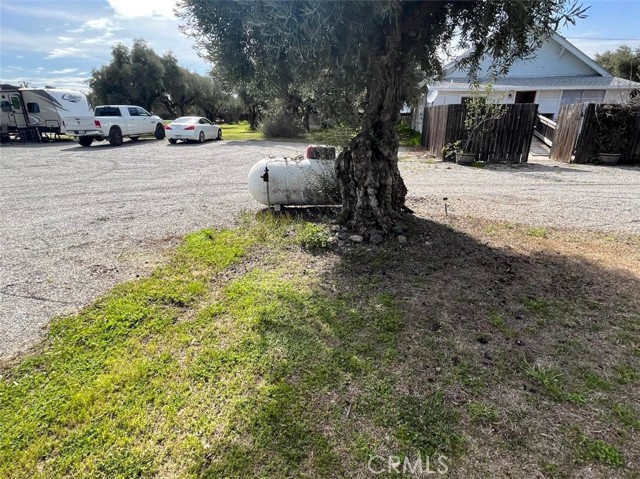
(373,191)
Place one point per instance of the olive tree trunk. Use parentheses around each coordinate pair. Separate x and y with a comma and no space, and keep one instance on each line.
(373,192)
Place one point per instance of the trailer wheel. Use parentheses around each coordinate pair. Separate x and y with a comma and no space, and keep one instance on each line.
(159,133)
(115,136)
(85,140)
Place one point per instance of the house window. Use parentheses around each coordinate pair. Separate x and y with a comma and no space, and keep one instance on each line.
(33,108)
(582,96)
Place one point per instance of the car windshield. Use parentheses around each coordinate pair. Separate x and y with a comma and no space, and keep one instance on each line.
(186,119)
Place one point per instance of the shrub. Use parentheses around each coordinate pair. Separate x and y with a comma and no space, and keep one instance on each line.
(281,125)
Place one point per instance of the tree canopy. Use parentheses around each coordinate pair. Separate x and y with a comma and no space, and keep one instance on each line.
(139,76)
(623,62)
(363,59)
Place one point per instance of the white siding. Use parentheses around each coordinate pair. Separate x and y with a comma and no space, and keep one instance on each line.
(551,60)
(616,96)
(548,101)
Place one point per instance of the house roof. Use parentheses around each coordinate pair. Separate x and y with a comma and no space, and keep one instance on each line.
(598,72)
(545,83)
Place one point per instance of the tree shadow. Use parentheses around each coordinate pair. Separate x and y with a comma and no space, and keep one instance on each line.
(453,345)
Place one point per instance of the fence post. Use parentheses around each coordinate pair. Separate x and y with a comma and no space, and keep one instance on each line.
(424,141)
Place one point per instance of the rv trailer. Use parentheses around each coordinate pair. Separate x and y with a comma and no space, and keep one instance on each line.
(31,112)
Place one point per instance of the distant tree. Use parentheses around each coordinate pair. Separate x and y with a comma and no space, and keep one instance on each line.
(623,63)
(211,97)
(373,47)
(112,83)
(181,87)
(134,76)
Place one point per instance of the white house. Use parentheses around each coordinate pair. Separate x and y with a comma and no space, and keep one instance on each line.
(559,74)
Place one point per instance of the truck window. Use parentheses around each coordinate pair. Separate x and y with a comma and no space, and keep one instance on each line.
(33,108)
(16,103)
(107,111)
(133,111)
(142,111)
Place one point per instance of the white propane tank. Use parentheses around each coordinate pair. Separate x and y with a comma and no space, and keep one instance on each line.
(308,180)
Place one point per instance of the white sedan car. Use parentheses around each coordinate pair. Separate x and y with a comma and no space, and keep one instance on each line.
(192,128)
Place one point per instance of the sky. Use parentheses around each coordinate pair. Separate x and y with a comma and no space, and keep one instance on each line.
(59,42)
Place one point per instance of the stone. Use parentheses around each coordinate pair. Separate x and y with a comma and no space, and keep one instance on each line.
(402,239)
(397,229)
(343,235)
(356,238)
(376,232)
(376,239)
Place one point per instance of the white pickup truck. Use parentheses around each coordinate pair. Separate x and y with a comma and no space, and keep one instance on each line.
(113,123)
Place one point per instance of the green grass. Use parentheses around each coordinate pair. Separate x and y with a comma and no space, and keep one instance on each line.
(177,375)
(537,232)
(261,351)
(408,137)
(483,413)
(240,132)
(596,450)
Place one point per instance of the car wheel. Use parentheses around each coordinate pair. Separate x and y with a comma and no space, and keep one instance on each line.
(219,133)
(201,137)
(134,138)
(115,136)
(173,141)
(85,140)
(159,133)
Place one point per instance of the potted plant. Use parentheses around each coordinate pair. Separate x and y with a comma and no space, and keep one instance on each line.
(480,116)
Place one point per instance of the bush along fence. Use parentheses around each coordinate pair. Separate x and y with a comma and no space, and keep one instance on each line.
(506,140)
(597,132)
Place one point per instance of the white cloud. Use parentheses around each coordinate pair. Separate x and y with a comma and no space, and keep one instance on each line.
(66,52)
(65,39)
(64,71)
(130,8)
(100,24)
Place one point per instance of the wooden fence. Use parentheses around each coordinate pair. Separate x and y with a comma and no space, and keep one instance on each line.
(575,136)
(567,132)
(505,140)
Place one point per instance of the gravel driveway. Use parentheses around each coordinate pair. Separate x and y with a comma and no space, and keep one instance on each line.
(75,221)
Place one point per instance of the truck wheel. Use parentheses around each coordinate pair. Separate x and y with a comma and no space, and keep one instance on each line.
(85,140)
(219,133)
(201,137)
(115,136)
(159,133)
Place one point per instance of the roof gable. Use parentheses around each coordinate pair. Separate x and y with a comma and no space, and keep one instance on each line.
(556,57)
